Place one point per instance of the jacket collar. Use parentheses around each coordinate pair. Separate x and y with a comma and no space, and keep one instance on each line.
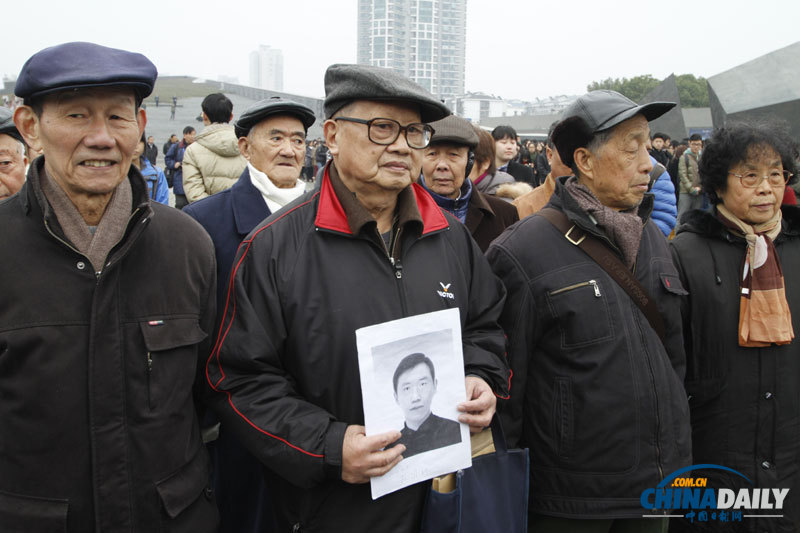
(249,207)
(449,204)
(706,223)
(340,211)
(563,200)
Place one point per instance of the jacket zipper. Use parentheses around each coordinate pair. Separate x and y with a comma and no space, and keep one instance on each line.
(149,376)
(591,282)
(398,270)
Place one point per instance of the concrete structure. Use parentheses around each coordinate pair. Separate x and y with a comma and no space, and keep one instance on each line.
(475,107)
(422,39)
(266,68)
(671,122)
(765,88)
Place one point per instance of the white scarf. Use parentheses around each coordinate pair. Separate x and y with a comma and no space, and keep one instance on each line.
(274,196)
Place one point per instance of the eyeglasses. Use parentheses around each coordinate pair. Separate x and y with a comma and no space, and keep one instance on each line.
(385,131)
(751,180)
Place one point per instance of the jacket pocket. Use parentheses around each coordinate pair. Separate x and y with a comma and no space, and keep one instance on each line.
(24,514)
(581,312)
(563,416)
(187,497)
(170,357)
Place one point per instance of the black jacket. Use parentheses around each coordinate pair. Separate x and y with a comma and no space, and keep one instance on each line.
(97,373)
(488,217)
(595,395)
(745,402)
(286,368)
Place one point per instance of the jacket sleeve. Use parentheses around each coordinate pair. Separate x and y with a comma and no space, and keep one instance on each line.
(252,390)
(683,174)
(665,212)
(162,189)
(518,320)
(169,157)
(193,186)
(482,338)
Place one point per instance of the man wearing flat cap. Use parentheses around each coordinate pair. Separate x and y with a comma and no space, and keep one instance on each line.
(101,354)
(12,156)
(598,368)
(368,247)
(272,138)
(446,163)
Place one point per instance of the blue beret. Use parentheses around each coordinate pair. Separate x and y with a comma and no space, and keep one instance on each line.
(79,65)
(272,106)
(348,83)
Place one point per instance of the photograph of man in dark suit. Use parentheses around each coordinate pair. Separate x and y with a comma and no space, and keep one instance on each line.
(414,387)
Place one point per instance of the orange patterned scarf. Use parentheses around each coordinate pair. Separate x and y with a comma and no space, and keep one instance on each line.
(764,315)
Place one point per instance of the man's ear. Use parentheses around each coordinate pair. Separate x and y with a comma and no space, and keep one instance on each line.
(244,147)
(329,129)
(395,397)
(28,125)
(141,120)
(585,161)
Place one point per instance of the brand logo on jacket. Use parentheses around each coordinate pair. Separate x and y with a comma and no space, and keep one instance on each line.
(682,496)
(445,292)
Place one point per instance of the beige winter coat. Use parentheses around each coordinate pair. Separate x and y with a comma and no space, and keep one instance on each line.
(212,163)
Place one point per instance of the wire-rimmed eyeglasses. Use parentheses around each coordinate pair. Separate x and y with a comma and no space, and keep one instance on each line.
(751,180)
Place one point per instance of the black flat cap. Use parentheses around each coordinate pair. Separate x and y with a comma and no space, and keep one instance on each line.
(456,130)
(81,65)
(7,124)
(595,112)
(272,106)
(347,83)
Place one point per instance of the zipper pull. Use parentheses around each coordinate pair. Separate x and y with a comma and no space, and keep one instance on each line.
(593,283)
(149,363)
(398,269)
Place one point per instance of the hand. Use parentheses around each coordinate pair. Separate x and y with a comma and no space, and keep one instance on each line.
(364,457)
(177,164)
(695,191)
(480,405)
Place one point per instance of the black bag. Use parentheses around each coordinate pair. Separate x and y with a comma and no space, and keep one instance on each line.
(490,496)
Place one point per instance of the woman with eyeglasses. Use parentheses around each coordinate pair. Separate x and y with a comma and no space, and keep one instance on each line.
(740,263)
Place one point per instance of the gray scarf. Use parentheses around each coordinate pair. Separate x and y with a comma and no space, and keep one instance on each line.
(94,245)
(623,228)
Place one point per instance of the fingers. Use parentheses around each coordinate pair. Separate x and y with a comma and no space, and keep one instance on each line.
(365,457)
(480,407)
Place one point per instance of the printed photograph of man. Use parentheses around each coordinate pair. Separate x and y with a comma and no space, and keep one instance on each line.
(414,387)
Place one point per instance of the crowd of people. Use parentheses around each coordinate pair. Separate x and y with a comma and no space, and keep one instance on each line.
(625,302)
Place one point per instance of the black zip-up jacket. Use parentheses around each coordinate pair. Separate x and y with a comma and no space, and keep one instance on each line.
(98,372)
(745,402)
(285,367)
(595,395)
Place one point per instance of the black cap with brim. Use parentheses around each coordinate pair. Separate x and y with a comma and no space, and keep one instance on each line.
(81,65)
(7,125)
(269,107)
(348,83)
(595,112)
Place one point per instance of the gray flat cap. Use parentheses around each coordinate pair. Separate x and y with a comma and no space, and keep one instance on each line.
(347,83)
(7,124)
(272,106)
(456,130)
(595,112)
(79,65)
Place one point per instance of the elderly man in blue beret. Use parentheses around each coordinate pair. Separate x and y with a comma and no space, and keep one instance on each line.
(272,138)
(100,350)
(368,247)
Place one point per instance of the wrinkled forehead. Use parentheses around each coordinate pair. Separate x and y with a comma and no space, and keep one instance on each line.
(385,108)
(114,95)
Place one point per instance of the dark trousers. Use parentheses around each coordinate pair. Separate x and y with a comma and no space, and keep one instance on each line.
(550,524)
(181,201)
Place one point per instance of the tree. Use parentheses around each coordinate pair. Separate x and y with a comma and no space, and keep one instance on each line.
(693,90)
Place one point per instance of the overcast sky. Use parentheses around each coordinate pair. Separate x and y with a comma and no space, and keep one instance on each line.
(515,48)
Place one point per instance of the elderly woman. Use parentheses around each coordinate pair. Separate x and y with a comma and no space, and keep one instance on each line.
(739,263)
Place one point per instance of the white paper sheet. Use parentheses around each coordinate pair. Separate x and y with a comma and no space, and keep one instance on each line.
(381,349)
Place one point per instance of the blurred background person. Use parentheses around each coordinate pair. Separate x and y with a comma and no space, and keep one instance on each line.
(157,188)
